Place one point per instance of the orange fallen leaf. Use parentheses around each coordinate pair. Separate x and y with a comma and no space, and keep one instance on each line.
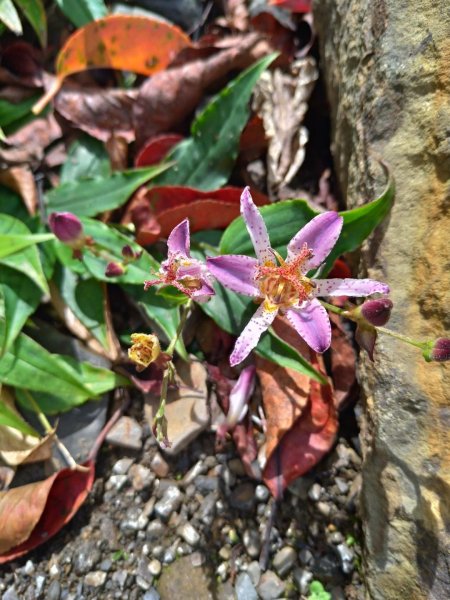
(139,44)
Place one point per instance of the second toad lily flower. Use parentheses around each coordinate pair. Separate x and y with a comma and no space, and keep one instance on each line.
(187,274)
(283,285)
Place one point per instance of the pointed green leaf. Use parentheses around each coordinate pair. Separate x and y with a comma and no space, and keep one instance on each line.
(9,16)
(81,12)
(34,11)
(9,244)
(9,418)
(27,260)
(93,196)
(206,159)
(86,159)
(20,298)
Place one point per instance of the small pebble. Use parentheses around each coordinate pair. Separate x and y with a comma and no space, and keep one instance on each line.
(302,578)
(270,586)
(126,433)
(105,565)
(261,493)
(122,465)
(284,560)
(169,503)
(95,579)
(154,566)
(120,577)
(141,477)
(54,591)
(151,594)
(40,582)
(243,497)
(206,484)
(305,556)
(155,530)
(159,466)
(254,572)
(252,542)
(54,570)
(189,534)
(342,485)
(29,567)
(244,588)
(222,571)
(116,482)
(10,594)
(324,508)
(315,492)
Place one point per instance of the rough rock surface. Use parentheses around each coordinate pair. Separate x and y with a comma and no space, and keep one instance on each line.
(387,70)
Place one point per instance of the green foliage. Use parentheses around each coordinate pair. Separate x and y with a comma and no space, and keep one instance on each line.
(81,12)
(9,16)
(93,196)
(19,298)
(318,592)
(206,159)
(15,115)
(9,418)
(86,159)
(60,382)
(34,11)
(27,259)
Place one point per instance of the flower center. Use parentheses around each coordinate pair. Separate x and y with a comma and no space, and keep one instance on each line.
(285,285)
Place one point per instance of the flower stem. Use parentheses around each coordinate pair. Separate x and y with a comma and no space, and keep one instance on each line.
(399,336)
(49,430)
(160,421)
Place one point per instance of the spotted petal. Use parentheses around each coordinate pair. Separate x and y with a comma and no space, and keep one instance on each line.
(256,227)
(235,272)
(349,287)
(312,323)
(178,241)
(203,294)
(320,235)
(249,338)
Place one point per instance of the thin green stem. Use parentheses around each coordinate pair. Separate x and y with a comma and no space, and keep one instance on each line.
(335,309)
(49,430)
(185,309)
(400,336)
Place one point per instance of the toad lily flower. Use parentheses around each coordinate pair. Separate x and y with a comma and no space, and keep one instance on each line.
(285,287)
(187,274)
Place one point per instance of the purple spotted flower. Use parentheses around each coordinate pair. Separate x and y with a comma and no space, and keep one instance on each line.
(283,285)
(187,274)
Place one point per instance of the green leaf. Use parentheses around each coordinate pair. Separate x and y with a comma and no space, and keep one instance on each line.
(59,382)
(10,244)
(109,244)
(206,159)
(81,12)
(284,219)
(85,298)
(90,197)
(9,16)
(12,204)
(27,261)
(9,112)
(20,298)
(161,312)
(35,13)
(86,159)
(273,348)
(9,418)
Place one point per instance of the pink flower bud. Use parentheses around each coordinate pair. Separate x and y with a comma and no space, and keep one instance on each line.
(127,252)
(114,269)
(377,312)
(66,226)
(438,351)
(239,398)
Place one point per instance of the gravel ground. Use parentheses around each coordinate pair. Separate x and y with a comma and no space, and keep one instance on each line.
(193,526)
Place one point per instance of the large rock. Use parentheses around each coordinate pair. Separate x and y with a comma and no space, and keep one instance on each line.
(387,70)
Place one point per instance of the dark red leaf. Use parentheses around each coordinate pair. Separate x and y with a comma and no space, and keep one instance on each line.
(300,6)
(156,148)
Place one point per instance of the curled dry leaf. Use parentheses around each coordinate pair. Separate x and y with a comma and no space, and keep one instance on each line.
(342,362)
(21,180)
(307,441)
(281,100)
(156,148)
(158,107)
(140,44)
(33,513)
(100,113)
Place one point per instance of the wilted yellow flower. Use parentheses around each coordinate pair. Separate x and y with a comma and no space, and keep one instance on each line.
(145,349)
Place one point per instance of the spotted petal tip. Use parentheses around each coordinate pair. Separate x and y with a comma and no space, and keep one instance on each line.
(178,241)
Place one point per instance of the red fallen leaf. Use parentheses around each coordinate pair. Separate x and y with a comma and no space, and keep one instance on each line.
(31,514)
(300,6)
(156,214)
(168,97)
(253,140)
(309,439)
(340,270)
(156,148)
